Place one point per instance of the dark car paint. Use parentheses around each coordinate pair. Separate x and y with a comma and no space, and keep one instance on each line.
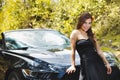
(15,60)
(19,60)
(46,64)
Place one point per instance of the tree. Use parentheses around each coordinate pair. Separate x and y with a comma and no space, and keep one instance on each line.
(62,15)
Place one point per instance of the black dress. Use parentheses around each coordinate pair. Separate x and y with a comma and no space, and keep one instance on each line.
(92,66)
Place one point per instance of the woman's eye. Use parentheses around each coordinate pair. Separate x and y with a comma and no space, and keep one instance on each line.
(87,23)
(90,23)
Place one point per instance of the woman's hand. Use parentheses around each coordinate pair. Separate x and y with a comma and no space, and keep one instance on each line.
(109,69)
(71,69)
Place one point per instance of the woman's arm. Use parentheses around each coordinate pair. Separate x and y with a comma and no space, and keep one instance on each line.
(72,41)
(72,69)
(99,51)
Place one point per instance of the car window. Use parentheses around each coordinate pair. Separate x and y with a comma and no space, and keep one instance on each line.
(36,39)
(13,44)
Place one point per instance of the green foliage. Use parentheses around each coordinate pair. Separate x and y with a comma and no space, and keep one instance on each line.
(12,14)
(108,28)
(62,15)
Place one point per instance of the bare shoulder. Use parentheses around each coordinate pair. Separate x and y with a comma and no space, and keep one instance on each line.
(74,34)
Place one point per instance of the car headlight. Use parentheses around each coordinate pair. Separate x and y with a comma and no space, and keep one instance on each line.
(51,71)
(46,75)
(35,71)
(27,72)
(32,73)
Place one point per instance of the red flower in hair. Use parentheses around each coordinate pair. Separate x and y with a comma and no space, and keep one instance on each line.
(93,18)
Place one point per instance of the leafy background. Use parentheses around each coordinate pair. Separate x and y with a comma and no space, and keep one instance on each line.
(62,15)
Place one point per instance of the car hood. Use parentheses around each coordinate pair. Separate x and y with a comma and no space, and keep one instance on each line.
(62,57)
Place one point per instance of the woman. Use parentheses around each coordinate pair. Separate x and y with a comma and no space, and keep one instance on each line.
(94,65)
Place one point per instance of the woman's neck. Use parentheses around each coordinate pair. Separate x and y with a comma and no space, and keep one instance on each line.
(82,31)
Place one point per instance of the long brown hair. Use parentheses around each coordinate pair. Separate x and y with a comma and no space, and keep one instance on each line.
(81,21)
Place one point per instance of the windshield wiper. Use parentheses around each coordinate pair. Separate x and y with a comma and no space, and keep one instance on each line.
(22,48)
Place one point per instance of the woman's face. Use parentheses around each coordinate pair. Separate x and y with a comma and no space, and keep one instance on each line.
(86,25)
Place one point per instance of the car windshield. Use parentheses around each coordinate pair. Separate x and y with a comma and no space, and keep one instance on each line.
(35,39)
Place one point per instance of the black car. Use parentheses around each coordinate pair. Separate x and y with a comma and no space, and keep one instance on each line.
(40,54)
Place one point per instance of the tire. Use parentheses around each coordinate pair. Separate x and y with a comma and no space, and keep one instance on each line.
(13,76)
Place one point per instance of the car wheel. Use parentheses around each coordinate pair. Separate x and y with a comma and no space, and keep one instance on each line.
(13,76)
